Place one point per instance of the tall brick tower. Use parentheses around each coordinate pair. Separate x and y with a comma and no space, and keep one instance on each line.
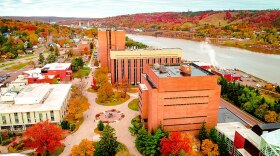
(109,40)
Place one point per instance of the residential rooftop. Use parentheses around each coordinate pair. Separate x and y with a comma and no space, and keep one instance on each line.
(36,97)
(183,70)
(57,66)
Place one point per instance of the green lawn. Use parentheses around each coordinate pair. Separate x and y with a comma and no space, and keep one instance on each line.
(7,64)
(82,72)
(114,101)
(17,66)
(133,105)
(24,56)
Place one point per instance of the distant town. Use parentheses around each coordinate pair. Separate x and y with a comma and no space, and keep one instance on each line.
(83,87)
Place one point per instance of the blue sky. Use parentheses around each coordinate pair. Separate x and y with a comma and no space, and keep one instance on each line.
(106,8)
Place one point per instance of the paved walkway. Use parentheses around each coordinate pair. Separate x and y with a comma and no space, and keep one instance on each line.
(246,117)
(86,130)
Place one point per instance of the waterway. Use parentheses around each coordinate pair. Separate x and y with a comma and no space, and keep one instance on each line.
(264,66)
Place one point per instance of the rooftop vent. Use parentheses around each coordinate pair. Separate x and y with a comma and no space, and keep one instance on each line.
(162,69)
(156,66)
(186,70)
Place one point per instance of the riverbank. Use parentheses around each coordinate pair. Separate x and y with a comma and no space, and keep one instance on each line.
(225,42)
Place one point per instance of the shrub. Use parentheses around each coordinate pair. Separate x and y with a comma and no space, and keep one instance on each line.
(6,142)
(100,125)
(72,127)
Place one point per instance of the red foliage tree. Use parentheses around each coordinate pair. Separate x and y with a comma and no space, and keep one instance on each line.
(175,142)
(44,136)
(228,15)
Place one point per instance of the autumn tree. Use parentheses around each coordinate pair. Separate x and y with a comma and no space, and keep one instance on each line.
(104,92)
(175,142)
(85,148)
(209,148)
(107,146)
(271,116)
(202,132)
(78,104)
(124,86)
(45,137)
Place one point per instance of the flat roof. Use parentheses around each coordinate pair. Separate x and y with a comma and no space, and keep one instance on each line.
(228,129)
(147,53)
(272,138)
(243,152)
(174,71)
(57,66)
(53,100)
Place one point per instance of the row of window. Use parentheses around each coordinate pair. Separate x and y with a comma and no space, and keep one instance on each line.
(195,103)
(16,119)
(169,98)
(135,67)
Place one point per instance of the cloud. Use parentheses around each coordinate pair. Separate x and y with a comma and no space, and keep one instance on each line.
(105,8)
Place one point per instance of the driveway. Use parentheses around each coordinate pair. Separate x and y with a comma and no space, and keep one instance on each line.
(86,130)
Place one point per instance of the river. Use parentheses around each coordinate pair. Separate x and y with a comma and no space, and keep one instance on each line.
(264,66)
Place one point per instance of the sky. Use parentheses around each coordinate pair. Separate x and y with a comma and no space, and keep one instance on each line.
(107,8)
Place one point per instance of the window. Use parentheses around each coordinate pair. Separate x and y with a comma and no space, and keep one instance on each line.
(52,116)
(128,71)
(165,60)
(4,119)
(40,117)
(122,64)
(16,117)
(28,117)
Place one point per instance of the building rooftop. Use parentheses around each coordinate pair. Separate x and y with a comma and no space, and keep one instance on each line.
(250,136)
(143,86)
(243,152)
(272,138)
(57,66)
(36,73)
(228,129)
(180,71)
(49,97)
(147,53)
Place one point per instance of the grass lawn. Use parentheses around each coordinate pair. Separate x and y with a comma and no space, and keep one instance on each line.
(17,66)
(31,58)
(82,72)
(57,152)
(114,101)
(26,55)
(133,105)
(7,64)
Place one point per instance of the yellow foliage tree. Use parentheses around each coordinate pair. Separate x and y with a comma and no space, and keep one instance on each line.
(271,116)
(85,148)
(77,106)
(209,148)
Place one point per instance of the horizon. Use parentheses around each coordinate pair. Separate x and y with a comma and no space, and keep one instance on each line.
(111,8)
(137,13)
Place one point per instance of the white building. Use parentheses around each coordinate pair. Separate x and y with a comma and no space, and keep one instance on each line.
(24,105)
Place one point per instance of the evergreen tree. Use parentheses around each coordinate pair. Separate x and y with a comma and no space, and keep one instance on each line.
(203,132)
(213,135)
(107,146)
(77,63)
(223,146)
(41,59)
(51,58)
(100,125)
(91,45)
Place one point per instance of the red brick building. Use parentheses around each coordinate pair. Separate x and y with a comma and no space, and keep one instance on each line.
(47,74)
(109,40)
(179,98)
(129,64)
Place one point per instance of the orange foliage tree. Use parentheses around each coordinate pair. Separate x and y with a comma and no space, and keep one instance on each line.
(78,104)
(175,142)
(44,136)
(271,116)
(209,148)
(85,148)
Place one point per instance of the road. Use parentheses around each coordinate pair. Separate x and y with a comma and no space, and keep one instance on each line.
(249,119)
